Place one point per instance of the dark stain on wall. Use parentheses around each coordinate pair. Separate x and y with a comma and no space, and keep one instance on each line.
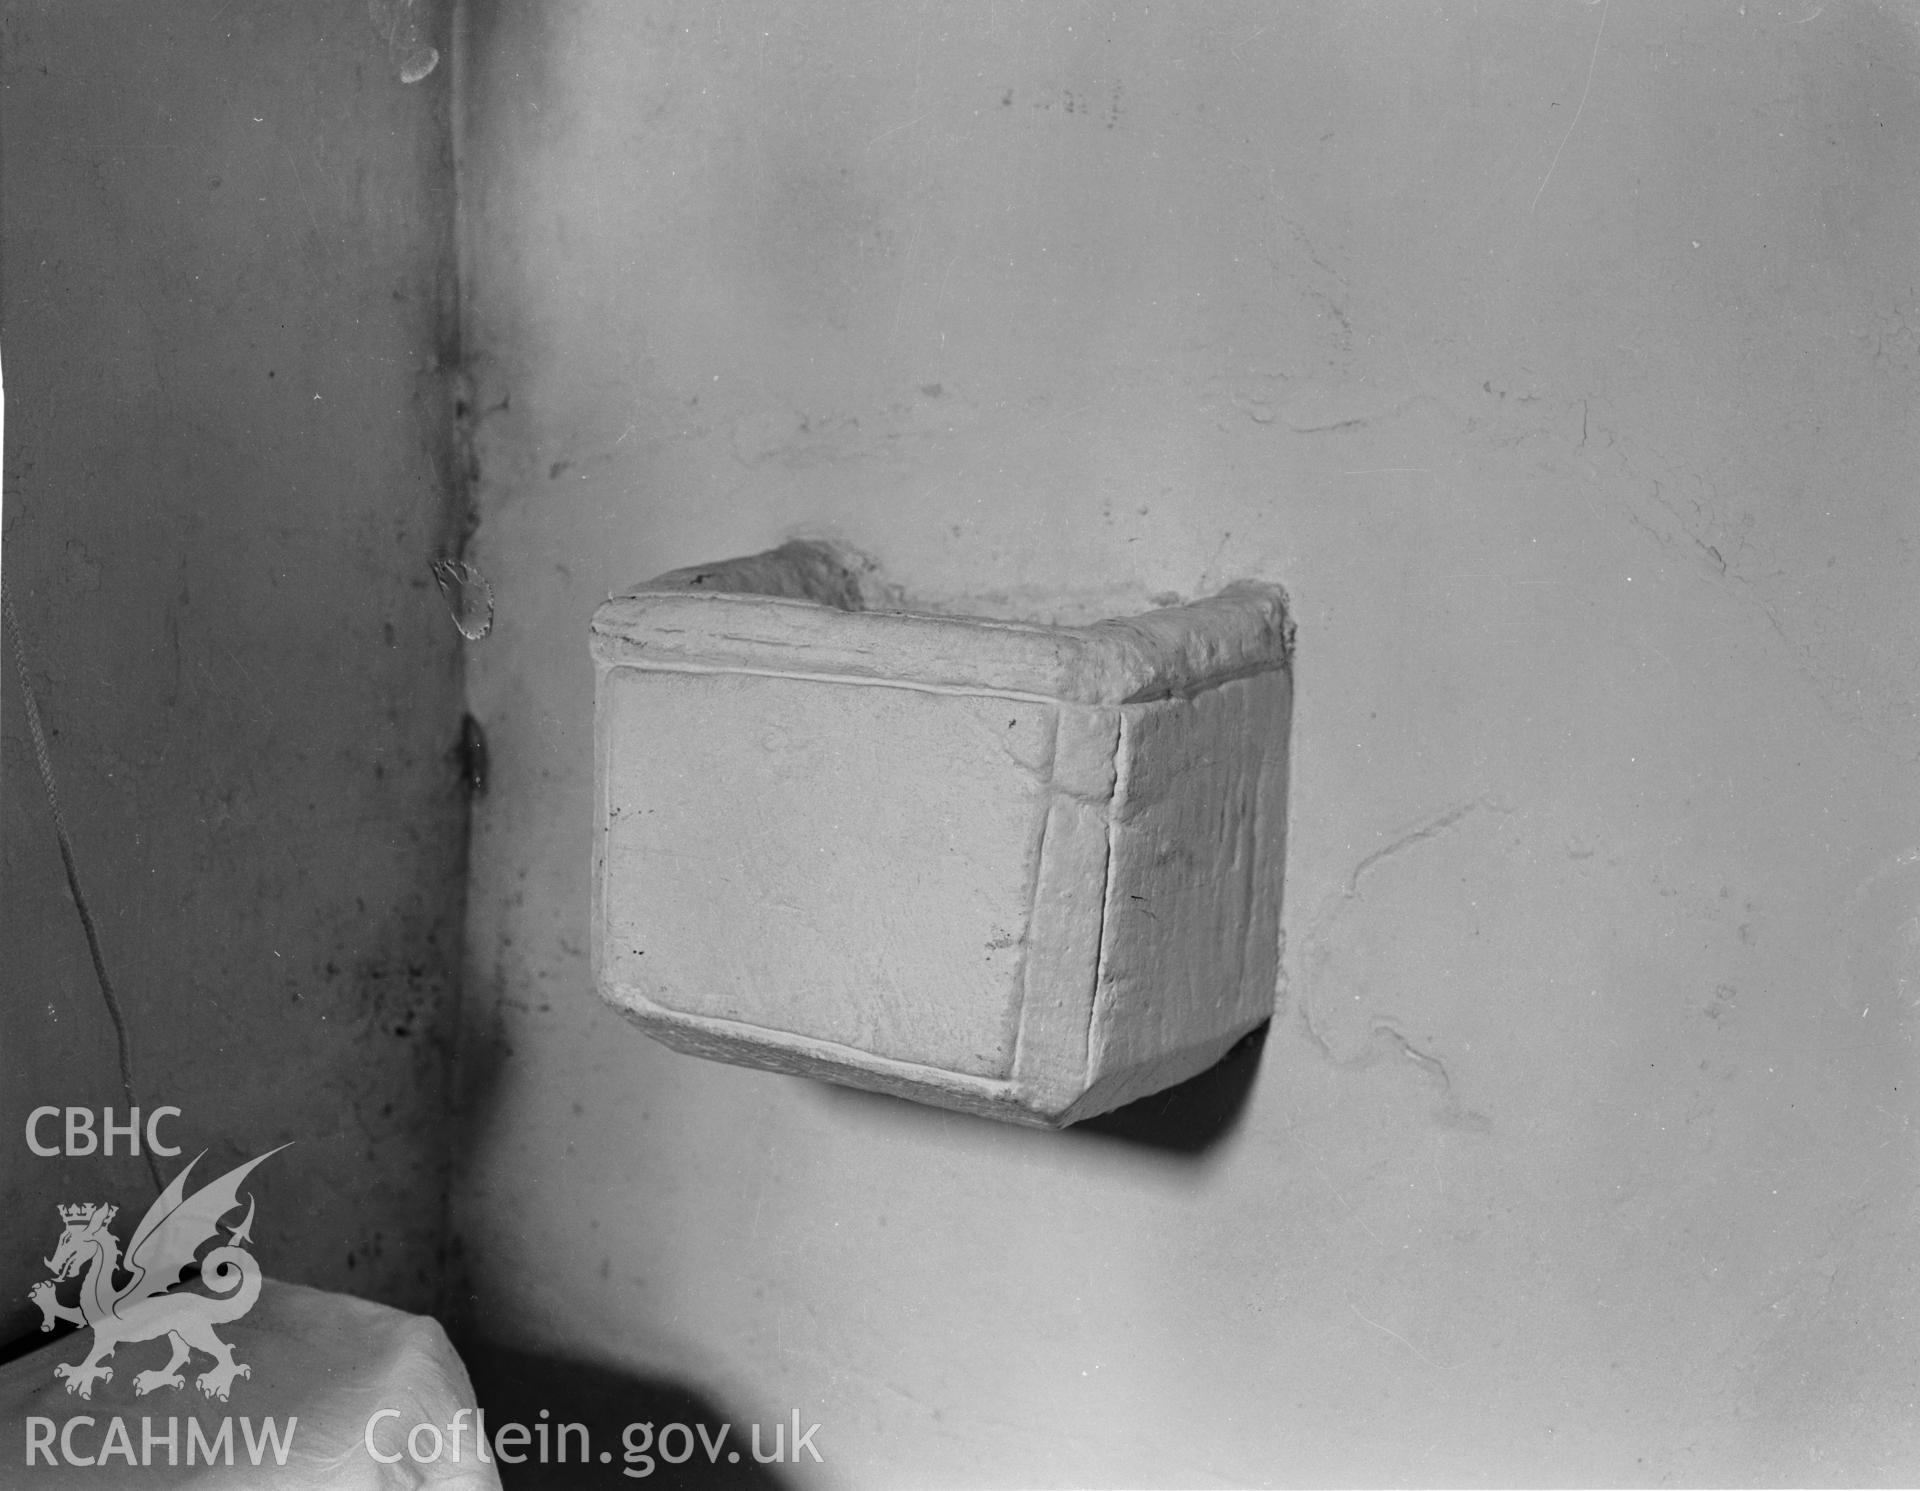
(229,317)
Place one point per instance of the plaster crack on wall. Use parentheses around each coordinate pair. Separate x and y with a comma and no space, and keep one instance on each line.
(1327,412)
(1390,1331)
(1431,828)
(1452,1113)
(1585,88)
(1686,516)
(1381,1036)
(123,1039)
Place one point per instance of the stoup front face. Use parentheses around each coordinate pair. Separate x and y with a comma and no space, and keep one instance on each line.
(1023,871)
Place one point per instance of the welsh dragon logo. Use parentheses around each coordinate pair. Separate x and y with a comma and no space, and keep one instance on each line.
(160,1252)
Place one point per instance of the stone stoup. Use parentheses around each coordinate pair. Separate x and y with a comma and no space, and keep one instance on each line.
(1025,871)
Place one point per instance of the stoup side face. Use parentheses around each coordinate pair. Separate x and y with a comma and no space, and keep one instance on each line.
(1190,953)
(937,856)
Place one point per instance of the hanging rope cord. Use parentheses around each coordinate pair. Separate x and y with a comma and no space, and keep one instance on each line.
(45,762)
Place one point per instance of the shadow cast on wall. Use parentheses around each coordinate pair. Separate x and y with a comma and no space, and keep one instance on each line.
(1185,1121)
(513,1386)
(1195,1115)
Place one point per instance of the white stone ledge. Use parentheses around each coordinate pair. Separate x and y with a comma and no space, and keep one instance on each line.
(809,622)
